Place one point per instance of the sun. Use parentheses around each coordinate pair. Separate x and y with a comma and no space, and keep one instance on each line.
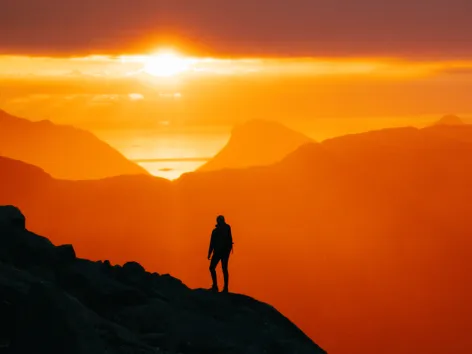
(165,64)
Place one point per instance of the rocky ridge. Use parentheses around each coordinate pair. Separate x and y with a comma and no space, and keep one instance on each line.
(53,302)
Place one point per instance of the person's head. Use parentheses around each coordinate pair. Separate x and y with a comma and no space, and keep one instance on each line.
(220,220)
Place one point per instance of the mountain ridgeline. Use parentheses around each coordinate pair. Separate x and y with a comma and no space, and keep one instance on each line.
(362,240)
(63,151)
(256,143)
(450,119)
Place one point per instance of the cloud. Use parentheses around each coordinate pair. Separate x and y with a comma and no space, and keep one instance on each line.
(31,98)
(425,28)
(135,96)
(465,71)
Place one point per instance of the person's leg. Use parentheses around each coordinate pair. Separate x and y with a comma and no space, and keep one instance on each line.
(213,263)
(224,265)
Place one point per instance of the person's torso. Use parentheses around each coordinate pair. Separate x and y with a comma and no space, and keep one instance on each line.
(222,239)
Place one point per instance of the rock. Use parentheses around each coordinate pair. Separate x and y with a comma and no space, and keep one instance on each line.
(65,254)
(148,318)
(134,268)
(154,339)
(107,268)
(11,216)
(133,273)
(50,321)
(7,317)
(86,280)
(25,249)
(44,272)
(53,302)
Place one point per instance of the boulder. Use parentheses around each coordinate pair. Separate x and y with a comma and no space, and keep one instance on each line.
(11,216)
(65,254)
(133,273)
(102,293)
(134,268)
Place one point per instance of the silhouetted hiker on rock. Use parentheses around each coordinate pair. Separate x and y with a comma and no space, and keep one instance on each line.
(221,244)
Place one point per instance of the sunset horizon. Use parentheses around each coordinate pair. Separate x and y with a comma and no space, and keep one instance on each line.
(235,177)
(171,96)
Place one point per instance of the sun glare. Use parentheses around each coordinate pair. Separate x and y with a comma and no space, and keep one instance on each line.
(165,65)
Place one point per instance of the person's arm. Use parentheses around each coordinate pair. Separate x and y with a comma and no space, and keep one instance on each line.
(210,249)
(230,237)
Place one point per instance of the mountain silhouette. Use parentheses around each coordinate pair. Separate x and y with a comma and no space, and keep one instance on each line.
(454,132)
(364,236)
(256,143)
(63,151)
(450,119)
(53,302)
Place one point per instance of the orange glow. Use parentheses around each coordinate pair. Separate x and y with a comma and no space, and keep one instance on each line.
(362,240)
(160,96)
(165,64)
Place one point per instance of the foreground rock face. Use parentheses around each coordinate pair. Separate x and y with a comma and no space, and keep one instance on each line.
(52,302)
(11,217)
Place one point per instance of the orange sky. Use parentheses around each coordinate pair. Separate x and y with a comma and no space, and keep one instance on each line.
(341,28)
(319,59)
(168,105)
(325,68)
(165,104)
(151,91)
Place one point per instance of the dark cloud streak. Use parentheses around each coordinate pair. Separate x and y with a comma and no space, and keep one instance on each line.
(413,28)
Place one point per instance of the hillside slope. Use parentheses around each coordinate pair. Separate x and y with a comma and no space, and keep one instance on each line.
(369,233)
(53,302)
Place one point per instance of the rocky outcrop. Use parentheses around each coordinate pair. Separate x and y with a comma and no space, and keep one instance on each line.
(11,217)
(52,302)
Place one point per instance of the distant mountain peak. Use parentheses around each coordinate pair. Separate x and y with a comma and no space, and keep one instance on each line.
(257,142)
(260,126)
(63,151)
(450,119)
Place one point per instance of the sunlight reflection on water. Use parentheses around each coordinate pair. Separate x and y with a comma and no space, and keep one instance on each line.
(166,155)
(170,169)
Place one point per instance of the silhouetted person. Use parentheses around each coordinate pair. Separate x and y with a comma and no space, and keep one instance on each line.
(221,244)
